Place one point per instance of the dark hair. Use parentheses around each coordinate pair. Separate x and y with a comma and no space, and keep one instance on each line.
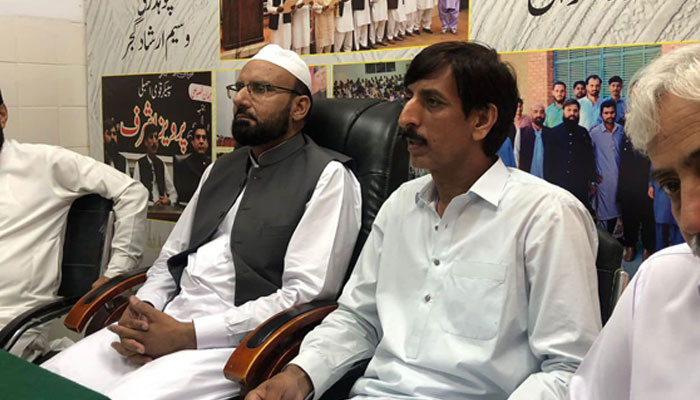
(579,83)
(108,124)
(559,83)
(304,90)
(2,137)
(195,127)
(571,101)
(520,101)
(481,78)
(615,78)
(594,76)
(150,130)
(607,104)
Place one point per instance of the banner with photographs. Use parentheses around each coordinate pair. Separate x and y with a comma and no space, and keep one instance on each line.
(580,97)
(157,129)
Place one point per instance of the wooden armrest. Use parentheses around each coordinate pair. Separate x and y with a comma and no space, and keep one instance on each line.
(274,343)
(93,300)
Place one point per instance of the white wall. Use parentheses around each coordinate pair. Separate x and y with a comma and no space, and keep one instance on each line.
(43,71)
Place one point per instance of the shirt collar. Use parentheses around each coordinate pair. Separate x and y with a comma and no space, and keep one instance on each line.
(489,186)
(279,152)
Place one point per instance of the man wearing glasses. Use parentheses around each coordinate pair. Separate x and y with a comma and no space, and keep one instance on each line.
(271,225)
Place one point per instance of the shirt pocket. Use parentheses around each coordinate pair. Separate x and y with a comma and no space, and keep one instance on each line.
(474,295)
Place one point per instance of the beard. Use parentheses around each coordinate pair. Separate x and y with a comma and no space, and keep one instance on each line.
(571,124)
(539,121)
(248,134)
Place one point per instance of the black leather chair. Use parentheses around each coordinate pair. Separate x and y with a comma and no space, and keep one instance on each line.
(612,279)
(366,130)
(270,347)
(88,229)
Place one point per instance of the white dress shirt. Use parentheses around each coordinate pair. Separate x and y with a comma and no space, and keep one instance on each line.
(497,299)
(169,187)
(314,265)
(38,184)
(648,350)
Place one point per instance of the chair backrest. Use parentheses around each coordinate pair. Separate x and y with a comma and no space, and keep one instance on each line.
(86,244)
(608,261)
(366,130)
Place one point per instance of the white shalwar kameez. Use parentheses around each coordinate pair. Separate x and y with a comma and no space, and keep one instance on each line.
(315,263)
(344,28)
(301,28)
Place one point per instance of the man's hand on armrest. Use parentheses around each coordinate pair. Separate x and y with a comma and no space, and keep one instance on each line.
(290,384)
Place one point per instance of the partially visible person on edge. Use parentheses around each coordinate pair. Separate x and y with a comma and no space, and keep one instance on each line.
(590,105)
(477,281)
(579,90)
(668,233)
(521,120)
(568,156)
(555,111)
(649,348)
(607,139)
(39,183)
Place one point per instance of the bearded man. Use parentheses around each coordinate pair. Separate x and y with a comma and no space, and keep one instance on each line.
(568,155)
(272,224)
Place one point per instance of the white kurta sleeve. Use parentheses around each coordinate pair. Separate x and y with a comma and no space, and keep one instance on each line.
(563,306)
(314,265)
(160,285)
(351,332)
(605,373)
(76,175)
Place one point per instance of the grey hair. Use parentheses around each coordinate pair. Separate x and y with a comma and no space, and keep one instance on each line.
(677,73)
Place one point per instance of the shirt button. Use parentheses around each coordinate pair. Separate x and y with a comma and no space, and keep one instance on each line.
(436,227)
(436,261)
(427,298)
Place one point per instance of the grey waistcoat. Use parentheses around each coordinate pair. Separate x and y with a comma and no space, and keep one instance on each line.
(272,205)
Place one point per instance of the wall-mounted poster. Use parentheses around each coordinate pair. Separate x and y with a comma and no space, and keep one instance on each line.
(157,128)
(513,25)
(335,26)
(580,95)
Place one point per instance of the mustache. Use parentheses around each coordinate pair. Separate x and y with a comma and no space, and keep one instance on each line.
(410,133)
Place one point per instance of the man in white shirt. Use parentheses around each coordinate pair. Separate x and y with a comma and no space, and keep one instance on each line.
(477,281)
(38,184)
(649,347)
(272,224)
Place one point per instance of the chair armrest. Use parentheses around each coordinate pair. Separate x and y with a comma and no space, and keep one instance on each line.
(32,318)
(93,300)
(274,343)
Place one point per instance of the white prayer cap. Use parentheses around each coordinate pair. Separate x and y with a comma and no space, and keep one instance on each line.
(286,59)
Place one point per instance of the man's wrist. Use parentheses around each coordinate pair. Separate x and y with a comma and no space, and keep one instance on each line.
(306,387)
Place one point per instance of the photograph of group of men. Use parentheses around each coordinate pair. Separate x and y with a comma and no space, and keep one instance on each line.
(325,26)
(157,129)
(578,141)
